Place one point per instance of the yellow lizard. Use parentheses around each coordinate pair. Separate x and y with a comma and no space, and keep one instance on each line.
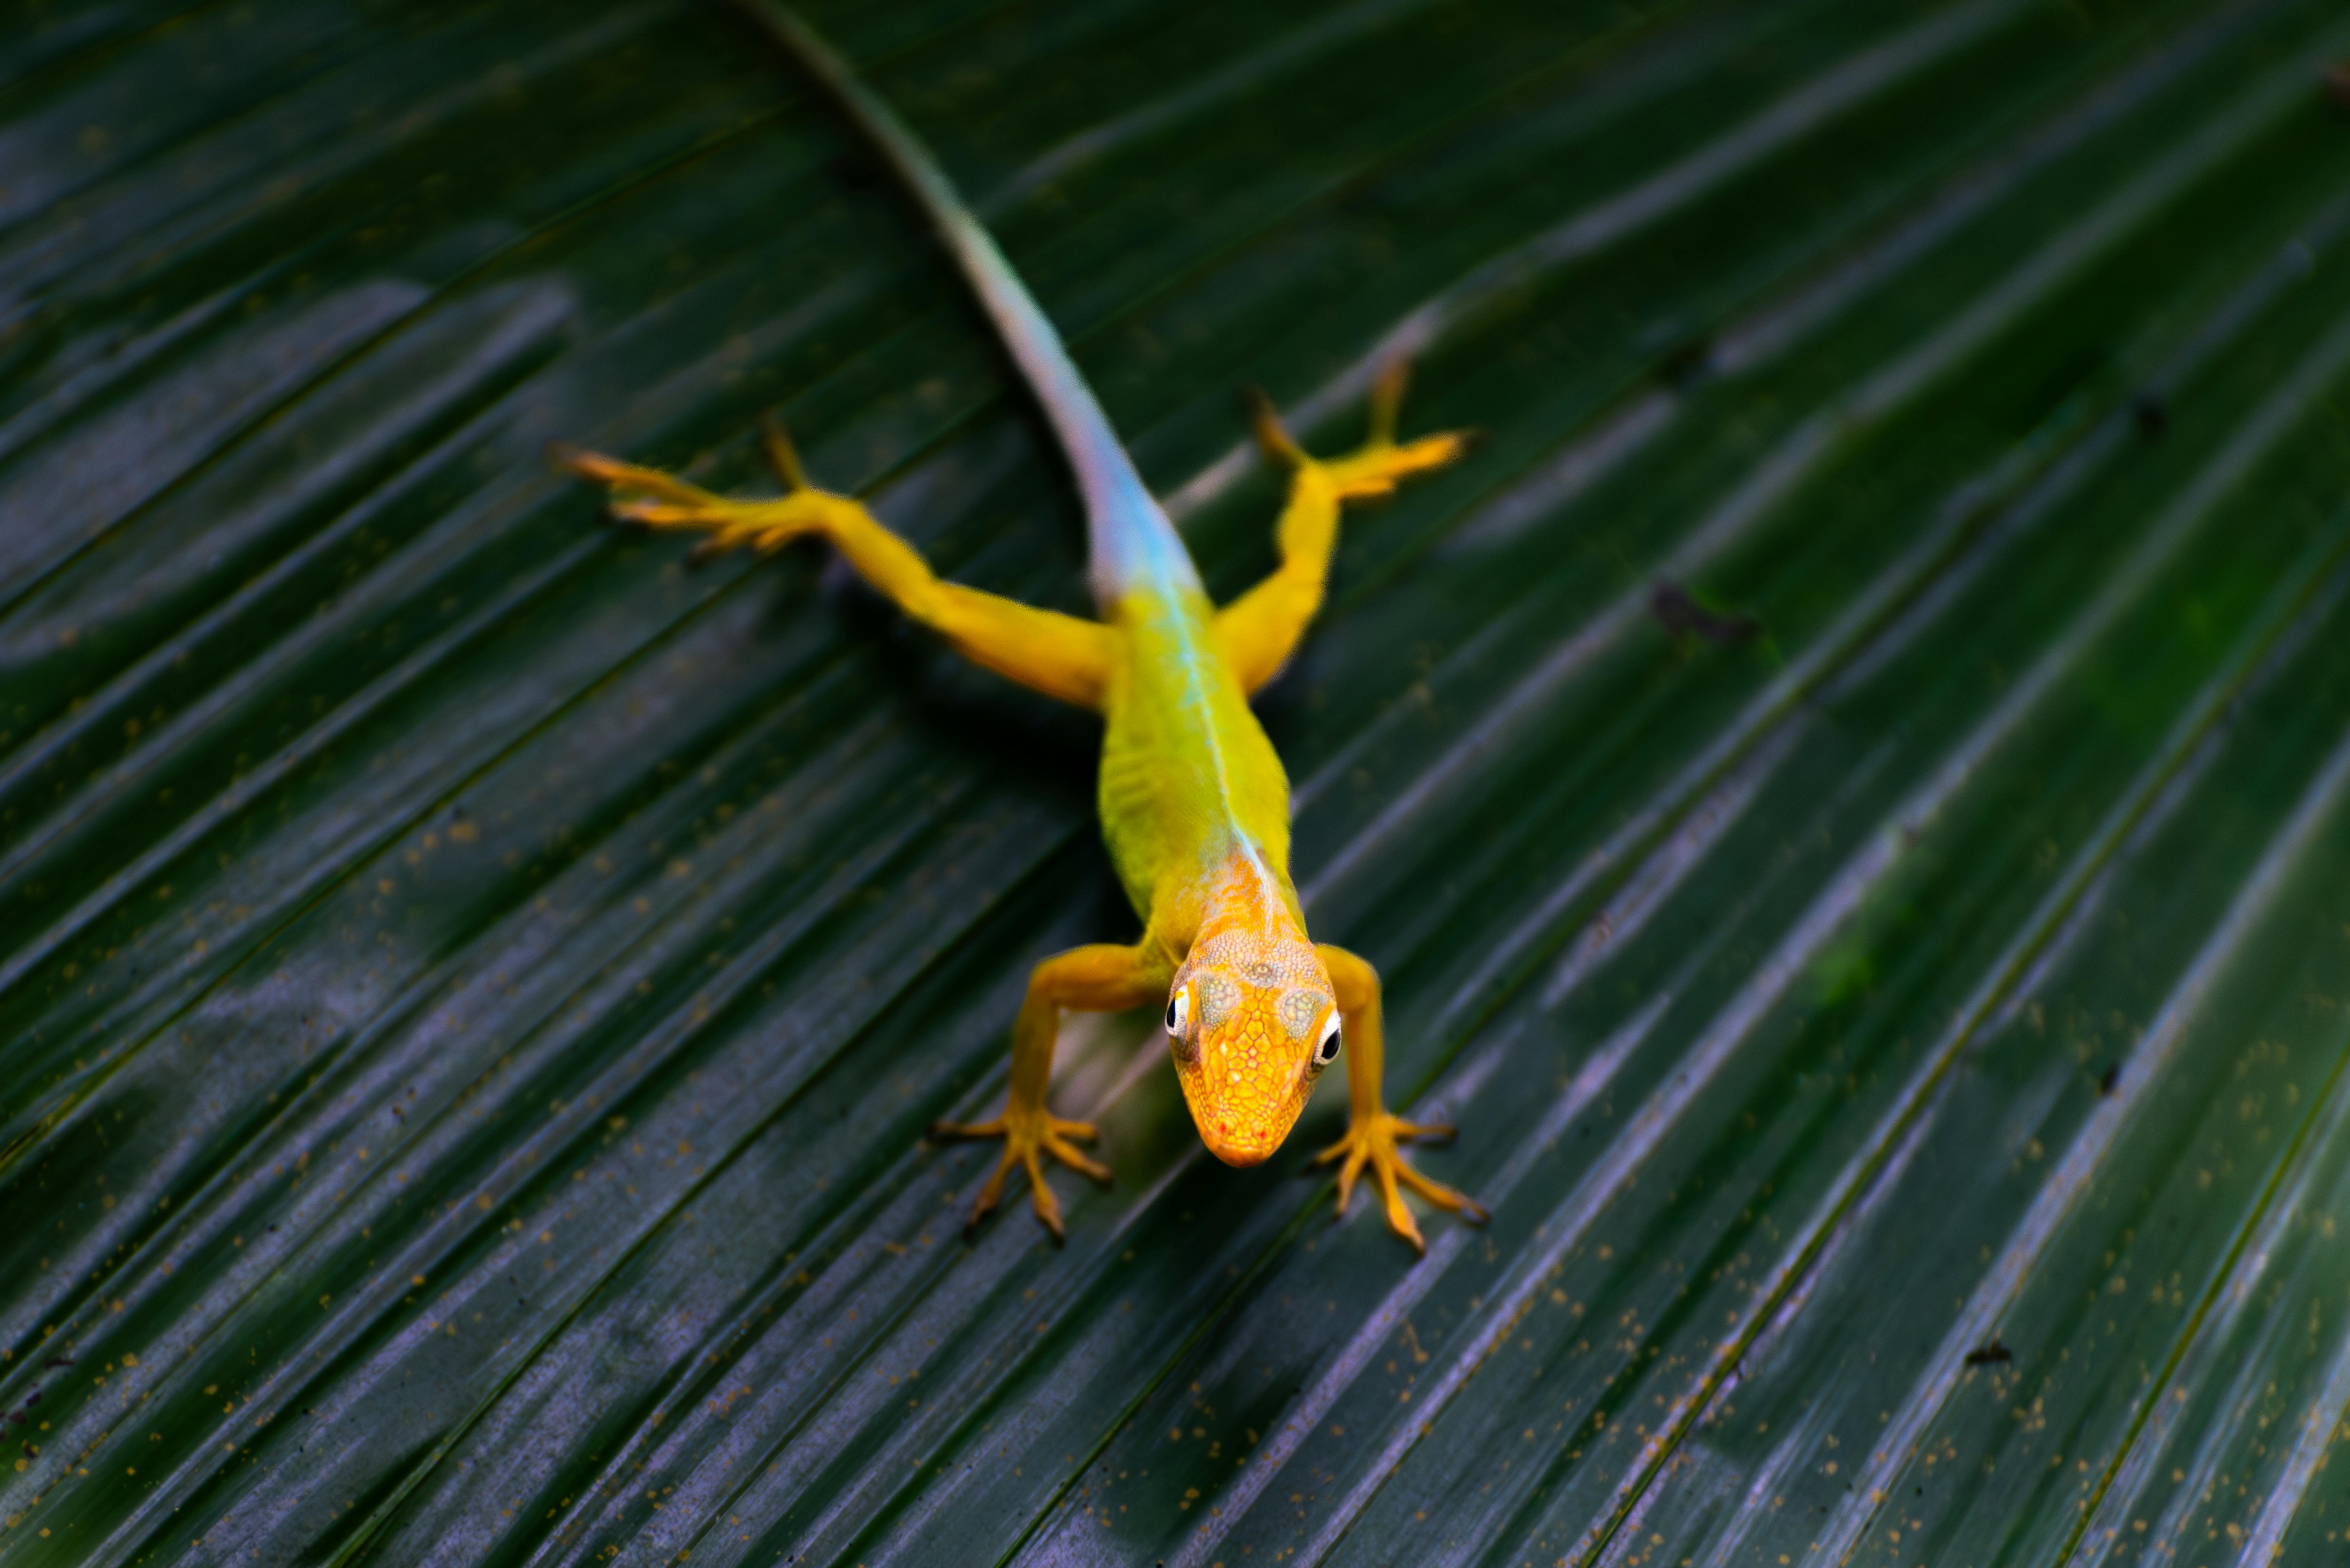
(1194,804)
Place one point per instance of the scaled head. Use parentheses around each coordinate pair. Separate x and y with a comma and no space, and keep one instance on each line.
(1252,1022)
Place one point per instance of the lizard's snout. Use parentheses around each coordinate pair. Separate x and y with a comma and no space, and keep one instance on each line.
(1240,1150)
(1242,1117)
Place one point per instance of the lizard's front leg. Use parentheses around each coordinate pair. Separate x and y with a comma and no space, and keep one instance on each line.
(1374,1136)
(1098,979)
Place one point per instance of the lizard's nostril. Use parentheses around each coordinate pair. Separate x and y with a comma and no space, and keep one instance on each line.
(1239,1153)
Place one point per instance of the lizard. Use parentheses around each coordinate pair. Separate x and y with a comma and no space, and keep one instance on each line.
(1193,801)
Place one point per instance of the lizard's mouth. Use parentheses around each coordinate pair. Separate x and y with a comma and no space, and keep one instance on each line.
(1238,1153)
(1239,1133)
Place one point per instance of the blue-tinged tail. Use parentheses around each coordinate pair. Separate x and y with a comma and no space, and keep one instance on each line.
(1130,539)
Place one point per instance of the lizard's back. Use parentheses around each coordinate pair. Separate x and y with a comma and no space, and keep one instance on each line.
(1188,775)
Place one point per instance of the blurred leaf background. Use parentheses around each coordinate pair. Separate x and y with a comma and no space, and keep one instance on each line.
(471,987)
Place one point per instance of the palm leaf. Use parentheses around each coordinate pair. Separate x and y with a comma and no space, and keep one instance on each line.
(1847,787)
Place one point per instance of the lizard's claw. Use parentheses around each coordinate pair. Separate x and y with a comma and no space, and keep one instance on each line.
(659,500)
(1375,1143)
(1026,1134)
(1374,468)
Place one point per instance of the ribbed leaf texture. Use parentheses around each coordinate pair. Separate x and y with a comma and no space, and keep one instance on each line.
(1850,786)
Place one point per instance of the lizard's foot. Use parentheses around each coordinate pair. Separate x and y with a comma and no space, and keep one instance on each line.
(1374,468)
(659,499)
(1375,1143)
(1027,1132)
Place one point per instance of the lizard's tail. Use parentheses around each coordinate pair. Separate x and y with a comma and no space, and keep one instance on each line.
(1129,534)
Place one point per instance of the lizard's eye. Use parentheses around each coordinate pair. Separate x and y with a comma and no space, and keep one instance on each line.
(1326,1049)
(1179,1027)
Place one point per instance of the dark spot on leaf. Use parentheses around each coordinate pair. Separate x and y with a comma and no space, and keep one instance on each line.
(1991,1354)
(2152,414)
(1682,616)
(1687,363)
(2108,1078)
(856,171)
(2337,84)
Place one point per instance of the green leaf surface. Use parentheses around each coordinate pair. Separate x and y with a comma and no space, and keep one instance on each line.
(472,986)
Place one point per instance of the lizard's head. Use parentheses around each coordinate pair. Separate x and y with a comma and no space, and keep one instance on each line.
(1251,1021)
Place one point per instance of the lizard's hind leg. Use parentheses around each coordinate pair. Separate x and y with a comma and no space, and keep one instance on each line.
(1372,468)
(1059,655)
(1260,630)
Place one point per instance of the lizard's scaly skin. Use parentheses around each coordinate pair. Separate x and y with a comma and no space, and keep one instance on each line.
(1194,804)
